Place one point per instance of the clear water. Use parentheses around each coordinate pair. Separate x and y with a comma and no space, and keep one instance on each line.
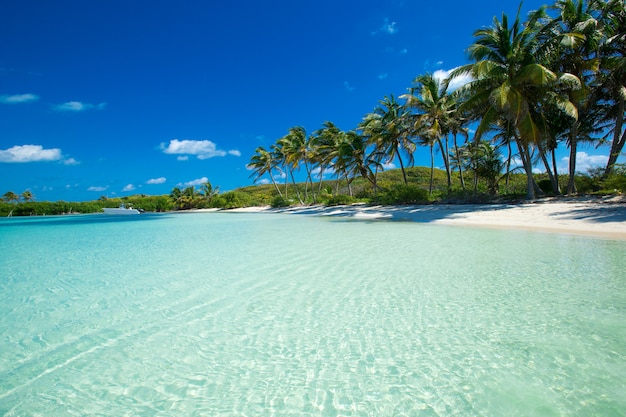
(226,314)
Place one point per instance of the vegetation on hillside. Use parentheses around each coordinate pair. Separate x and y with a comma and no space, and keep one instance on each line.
(553,81)
(390,189)
(556,80)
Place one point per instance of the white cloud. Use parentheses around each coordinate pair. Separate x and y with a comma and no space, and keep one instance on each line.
(193,183)
(77,106)
(388,28)
(159,180)
(348,86)
(456,82)
(30,153)
(70,161)
(93,188)
(18,98)
(128,187)
(263,181)
(234,152)
(182,158)
(584,162)
(203,149)
(382,76)
(389,165)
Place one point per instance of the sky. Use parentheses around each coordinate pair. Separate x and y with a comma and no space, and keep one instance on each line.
(114,98)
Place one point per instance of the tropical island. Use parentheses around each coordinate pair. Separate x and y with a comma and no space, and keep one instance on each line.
(555,80)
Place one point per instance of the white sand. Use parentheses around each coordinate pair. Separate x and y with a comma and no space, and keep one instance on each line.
(582,216)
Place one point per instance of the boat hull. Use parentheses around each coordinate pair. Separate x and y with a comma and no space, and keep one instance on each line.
(121,211)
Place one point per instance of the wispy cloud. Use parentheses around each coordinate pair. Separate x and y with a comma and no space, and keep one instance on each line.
(382,76)
(348,86)
(18,98)
(389,28)
(193,183)
(78,106)
(30,153)
(70,161)
(97,188)
(203,149)
(128,187)
(159,180)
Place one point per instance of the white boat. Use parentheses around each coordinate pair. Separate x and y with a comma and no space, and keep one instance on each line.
(122,209)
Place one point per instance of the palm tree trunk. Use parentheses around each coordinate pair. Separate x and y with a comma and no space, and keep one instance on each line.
(571,184)
(432,168)
(275,185)
(544,158)
(402,168)
(619,139)
(555,187)
(524,153)
(458,158)
(293,180)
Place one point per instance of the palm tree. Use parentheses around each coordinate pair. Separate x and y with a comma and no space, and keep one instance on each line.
(288,150)
(11,197)
(387,129)
(28,196)
(324,144)
(573,38)
(263,162)
(351,159)
(209,191)
(487,164)
(433,120)
(511,83)
(612,78)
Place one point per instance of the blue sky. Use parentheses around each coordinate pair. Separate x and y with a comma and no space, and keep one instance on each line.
(118,98)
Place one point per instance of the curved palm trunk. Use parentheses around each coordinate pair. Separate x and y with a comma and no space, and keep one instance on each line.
(458,158)
(573,148)
(293,181)
(508,165)
(553,180)
(556,187)
(619,139)
(275,185)
(402,167)
(525,155)
(432,169)
(446,162)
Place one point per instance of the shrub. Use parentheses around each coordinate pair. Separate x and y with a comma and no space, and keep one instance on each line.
(339,200)
(279,201)
(404,194)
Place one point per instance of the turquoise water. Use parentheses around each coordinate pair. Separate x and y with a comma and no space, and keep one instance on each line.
(223,314)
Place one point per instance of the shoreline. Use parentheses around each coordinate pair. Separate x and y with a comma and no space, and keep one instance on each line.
(604,218)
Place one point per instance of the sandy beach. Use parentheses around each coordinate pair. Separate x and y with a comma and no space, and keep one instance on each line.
(601,217)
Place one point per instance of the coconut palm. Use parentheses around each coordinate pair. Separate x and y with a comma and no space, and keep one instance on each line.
(263,162)
(387,128)
(11,197)
(511,83)
(209,191)
(572,39)
(324,144)
(612,79)
(28,196)
(433,119)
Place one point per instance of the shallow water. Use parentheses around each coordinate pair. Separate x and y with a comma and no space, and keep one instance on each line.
(265,314)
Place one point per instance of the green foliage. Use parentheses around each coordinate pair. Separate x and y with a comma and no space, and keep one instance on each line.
(340,200)
(231,200)
(403,194)
(279,201)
